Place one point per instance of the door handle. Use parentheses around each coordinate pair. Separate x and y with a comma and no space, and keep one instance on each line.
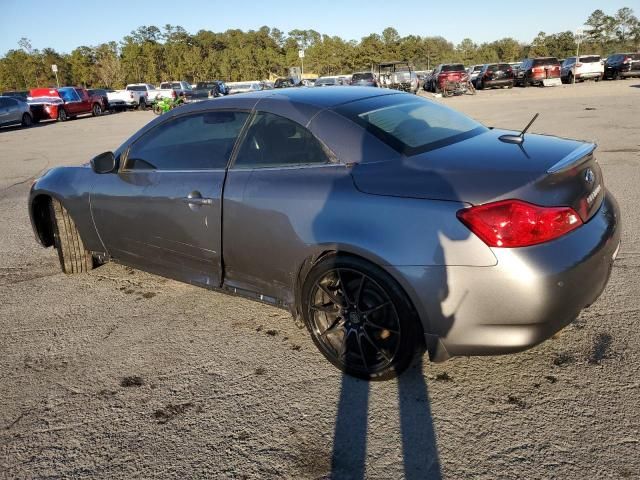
(198,201)
(195,200)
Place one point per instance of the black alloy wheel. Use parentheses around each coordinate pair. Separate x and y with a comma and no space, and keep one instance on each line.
(360,319)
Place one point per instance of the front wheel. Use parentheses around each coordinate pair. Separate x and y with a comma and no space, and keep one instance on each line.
(27,121)
(74,258)
(157,109)
(360,319)
(62,115)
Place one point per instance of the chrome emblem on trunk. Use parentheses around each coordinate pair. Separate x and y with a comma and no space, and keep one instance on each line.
(589,176)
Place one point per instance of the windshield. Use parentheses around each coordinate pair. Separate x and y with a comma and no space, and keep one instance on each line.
(362,76)
(68,94)
(326,81)
(411,125)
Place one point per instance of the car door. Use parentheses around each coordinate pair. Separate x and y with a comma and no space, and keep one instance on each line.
(276,190)
(162,210)
(4,111)
(84,105)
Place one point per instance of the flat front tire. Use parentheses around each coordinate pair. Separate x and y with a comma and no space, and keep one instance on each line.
(360,318)
(73,256)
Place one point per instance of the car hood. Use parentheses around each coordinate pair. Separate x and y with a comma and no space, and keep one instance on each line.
(477,170)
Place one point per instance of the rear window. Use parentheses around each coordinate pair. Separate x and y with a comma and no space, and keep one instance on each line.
(477,68)
(634,56)
(454,67)
(411,125)
(137,88)
(362,76)
(539,62)
(590,59)
(326,81)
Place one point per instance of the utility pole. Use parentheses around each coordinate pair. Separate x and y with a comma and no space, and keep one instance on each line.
(575,65)
(301,55)
(54,68)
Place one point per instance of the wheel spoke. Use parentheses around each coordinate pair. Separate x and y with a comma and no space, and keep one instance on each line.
(359,291)
(337,323)
(381,327)
(330,294)
(326,308)
(373,344)
(375,309)
(342,351)
(364,360)
(343,287)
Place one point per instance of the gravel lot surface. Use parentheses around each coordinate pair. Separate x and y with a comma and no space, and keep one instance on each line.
(122,374)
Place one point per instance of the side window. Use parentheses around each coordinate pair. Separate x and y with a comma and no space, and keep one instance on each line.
(274,141)
(199,141)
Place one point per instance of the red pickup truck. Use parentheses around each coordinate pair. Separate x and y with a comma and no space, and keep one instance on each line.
(63,103)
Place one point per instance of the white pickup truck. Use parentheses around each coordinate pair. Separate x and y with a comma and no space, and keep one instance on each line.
(137,95)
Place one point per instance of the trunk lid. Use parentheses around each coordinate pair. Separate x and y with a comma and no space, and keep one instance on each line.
(544,170)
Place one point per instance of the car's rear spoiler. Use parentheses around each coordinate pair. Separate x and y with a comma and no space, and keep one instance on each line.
(574,158)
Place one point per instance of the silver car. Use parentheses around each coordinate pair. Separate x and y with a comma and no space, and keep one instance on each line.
(14,111)
(387,222)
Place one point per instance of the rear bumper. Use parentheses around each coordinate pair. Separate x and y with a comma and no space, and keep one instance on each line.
(528,296)
(497,82)
(630,73)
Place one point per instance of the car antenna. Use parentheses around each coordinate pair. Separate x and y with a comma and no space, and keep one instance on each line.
(518,139)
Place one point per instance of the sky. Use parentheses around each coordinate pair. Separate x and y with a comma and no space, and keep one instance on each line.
(73,23)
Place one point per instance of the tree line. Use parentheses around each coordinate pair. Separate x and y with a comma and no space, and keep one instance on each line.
(151,54)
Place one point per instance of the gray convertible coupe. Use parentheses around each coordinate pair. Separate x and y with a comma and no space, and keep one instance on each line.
(388,223)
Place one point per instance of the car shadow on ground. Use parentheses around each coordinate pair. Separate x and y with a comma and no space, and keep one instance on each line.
(12,128)
(419,449)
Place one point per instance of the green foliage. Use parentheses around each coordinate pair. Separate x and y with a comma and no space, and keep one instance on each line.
(154,54)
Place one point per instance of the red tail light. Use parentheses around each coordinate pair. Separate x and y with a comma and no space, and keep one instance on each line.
(627,60)
(173,94)
(514,223)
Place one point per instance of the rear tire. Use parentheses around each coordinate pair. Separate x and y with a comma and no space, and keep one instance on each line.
(27,121)
(96,110)
(360,318)
(142,105)
(73,256)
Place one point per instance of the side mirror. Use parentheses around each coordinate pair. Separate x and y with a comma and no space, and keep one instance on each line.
(104,163)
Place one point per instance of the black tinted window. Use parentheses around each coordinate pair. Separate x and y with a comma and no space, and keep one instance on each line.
(411,125)
(539,62)
(276,141)
(590,59)
(137,88)
(191,142)
(453,67)
(362,76)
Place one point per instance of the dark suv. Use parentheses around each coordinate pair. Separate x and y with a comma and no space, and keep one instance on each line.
(494,75)
(364,79)
(104,99)
(539,71)
(620,65)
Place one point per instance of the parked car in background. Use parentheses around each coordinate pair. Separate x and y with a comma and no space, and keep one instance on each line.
(622,65)
(132,97)
(327,82)
(210,89)
(473,72)
(446,72)
(180,87)
(285,82)
(543,71)
(588,67)
(21,94)
(153,94)
(364,79)
(243,87)
(494,75)
(15,111)
(63,103)
(102,94)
